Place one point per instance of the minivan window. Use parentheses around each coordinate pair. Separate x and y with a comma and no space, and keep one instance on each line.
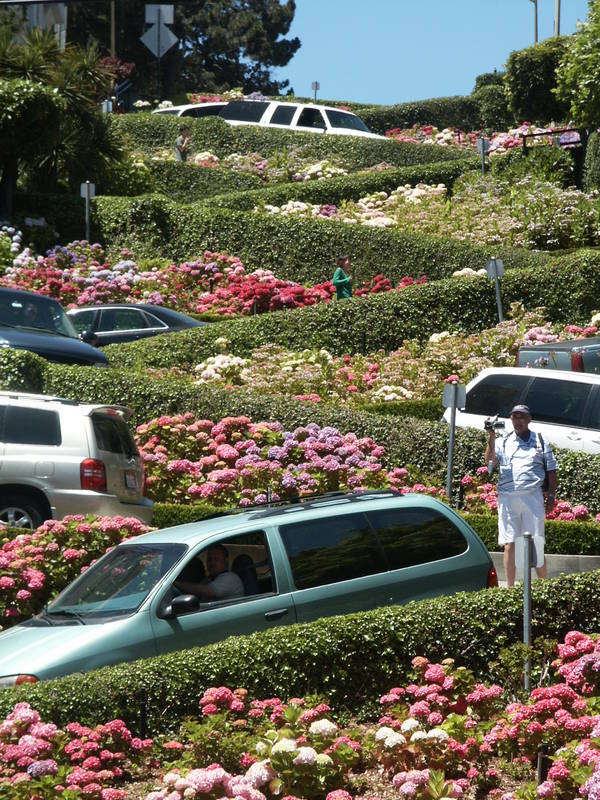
(496,394)
(283,115)
(113,435)
(349,122)
(562,402)
(311,118)
(31,426)
(332,549)
(244,110)
(413,536)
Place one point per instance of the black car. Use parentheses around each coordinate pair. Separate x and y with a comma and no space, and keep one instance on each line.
(112,324)
(30,321)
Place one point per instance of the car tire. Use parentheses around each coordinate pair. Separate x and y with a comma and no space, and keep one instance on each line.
(21,511)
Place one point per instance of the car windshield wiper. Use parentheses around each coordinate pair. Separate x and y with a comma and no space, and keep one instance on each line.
(66,612)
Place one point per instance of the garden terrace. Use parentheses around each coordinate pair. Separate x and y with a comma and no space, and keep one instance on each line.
(295,248)
(351,659)
(417,443)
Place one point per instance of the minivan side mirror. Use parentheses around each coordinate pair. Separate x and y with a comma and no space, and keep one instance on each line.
(182,604)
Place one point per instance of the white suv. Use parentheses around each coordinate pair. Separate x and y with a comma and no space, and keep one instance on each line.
(565,406)
(60,457)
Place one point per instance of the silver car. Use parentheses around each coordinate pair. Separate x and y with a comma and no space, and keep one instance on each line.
(60,457)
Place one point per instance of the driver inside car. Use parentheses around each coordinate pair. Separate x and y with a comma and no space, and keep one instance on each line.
(222,583)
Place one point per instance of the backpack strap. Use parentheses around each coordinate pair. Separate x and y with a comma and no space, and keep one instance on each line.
(543,446)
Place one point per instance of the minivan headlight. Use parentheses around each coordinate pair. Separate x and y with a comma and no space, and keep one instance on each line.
(8,681)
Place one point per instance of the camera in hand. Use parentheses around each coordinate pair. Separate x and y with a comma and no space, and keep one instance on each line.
(494,424)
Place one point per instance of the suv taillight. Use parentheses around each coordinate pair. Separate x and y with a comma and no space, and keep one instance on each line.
(576,361)
(93,475)
(492,578)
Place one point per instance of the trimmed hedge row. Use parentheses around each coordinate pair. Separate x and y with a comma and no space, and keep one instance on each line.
(296,248)
(418,443)
(185,182)
(461,111)
(565,538)
(149,132)
(568,289)
(347,187)
(351,660)
(63,212)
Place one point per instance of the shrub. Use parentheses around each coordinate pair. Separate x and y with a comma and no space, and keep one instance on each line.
(184,181)
(442,112)
(21,370)
(494,78)
(493,107)
(167,515)
(351,187)
(430,408)
(149,132)
(295,248)
(351,659)
(415,443)
(551,164)
(566,538)
(591,170)
(530,80)
(64,212)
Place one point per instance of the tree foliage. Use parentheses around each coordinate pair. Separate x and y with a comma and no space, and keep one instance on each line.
(578,83)
(222,44)
(530,79)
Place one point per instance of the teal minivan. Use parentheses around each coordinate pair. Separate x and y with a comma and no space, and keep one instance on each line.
(245,571)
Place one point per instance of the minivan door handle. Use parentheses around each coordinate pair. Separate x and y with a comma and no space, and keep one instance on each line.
(277,613)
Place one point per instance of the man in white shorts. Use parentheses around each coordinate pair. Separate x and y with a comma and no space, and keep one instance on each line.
(524,459)
(223,584)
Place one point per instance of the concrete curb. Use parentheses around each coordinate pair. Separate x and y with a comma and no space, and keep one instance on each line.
(555,564)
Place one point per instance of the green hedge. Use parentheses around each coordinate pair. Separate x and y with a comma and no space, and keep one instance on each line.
(185,182)
(348,187)
(565,538)
(567,288)
(296,248)
(149,132)
(443,112)
(351,660)
(21,370)
(530,79)
(64,212)
(410,442)
(167,515)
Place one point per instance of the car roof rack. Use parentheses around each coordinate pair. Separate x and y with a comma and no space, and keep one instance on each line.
(304,501)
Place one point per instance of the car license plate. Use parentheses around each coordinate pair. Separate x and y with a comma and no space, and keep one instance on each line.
(130,480)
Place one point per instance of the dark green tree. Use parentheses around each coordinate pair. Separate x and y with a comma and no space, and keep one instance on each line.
(579,71)
(222,43)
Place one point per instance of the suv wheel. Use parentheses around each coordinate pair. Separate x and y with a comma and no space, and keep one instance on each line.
(20,511)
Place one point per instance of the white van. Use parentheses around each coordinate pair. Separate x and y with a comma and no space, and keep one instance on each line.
(565,406)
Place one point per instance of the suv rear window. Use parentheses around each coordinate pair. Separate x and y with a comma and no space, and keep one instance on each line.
(244,110)
(331,549)
(113,435)
(496,394)
(22,425)
(413,536)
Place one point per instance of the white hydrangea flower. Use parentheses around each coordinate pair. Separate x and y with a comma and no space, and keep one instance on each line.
(284,746)
(409,725)
(261,747)
(307,756)
(383,733)
(418,736)
(323,727)
(394,740)
(437,733)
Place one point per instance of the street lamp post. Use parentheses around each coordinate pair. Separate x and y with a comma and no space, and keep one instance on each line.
(557,18)
(535,20)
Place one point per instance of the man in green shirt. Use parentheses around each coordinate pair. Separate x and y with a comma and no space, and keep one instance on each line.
(342,280)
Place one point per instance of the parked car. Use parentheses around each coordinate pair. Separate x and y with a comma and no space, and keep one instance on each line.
(61,457)
(295,562)
(111,324)
(33,322)
(565,406)
(196,110)
(578,355)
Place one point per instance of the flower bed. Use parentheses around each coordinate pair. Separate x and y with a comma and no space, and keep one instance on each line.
(215,285)
(529,213)
(35,566)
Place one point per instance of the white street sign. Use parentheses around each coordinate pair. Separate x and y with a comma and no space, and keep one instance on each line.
(152,13)
(88,190)
(159,39)
(494,267)
(448,396)
(483,145)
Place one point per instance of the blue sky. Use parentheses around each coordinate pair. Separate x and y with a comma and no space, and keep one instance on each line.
(391,51)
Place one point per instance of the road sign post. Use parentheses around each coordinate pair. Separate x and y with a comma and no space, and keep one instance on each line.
(529,552)
(87,191)
(453,397)
(315,87)
(495,270)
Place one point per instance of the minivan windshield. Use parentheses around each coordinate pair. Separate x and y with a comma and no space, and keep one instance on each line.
(118,583)
(35,313)
(350,122)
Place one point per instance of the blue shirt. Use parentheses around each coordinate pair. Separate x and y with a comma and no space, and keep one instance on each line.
(522,462)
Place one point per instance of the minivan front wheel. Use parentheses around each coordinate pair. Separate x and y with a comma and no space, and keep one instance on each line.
(20,512)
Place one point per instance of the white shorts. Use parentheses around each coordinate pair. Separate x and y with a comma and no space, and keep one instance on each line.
(519,513)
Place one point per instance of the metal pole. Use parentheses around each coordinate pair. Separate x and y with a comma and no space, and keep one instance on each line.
(482,157)
(527,606)
(535,21)
(143,712)
(451,443)
(113,43)
(498,298)
(158,51)
(87,210)
(557,18)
